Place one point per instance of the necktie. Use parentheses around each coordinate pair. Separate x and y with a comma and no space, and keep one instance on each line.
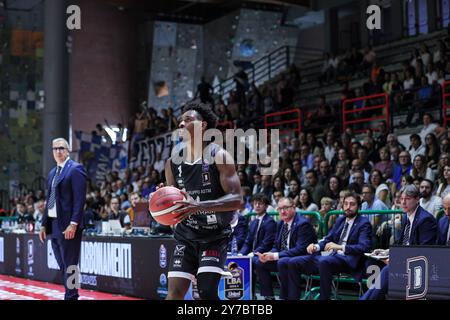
(343,234)
(405,241)
(284,237)
(51,199)
(255,241)
(448,236)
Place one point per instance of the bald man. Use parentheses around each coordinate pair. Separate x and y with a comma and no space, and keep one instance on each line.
(444,224)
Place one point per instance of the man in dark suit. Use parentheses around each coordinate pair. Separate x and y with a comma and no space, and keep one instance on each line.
(418,228)
(63,217)
(444,224)
(261,232)
(239,234)
(294,233)
(344,246)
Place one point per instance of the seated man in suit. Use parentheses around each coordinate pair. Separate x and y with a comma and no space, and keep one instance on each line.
(261,232)
(418,228)
(240,229)
(346,243)
(444,224)
(294,233)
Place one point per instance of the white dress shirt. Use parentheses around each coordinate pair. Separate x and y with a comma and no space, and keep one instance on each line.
(52,212)
(276,255)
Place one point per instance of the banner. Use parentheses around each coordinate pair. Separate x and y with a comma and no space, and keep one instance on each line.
(419,273)
(97,156)
(239,285)
(144,150)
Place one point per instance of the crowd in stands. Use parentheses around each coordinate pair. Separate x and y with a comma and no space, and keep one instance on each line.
(316,169)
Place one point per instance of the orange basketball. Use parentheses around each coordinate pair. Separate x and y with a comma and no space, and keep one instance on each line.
(161,205)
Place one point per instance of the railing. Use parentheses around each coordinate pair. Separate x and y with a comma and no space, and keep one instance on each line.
(364,119)
(445,105)
(292,116)
(270,66)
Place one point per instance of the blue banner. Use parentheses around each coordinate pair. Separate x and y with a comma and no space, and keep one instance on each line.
(239,285)
(236,286)
(96,156)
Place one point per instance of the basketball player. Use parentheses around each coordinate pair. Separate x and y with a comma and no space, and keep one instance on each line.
(213,193)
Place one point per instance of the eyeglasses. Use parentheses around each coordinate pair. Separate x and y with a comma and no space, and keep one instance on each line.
(284,208)
(60,149)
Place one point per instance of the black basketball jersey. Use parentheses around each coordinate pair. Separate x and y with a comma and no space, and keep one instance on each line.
(201,181)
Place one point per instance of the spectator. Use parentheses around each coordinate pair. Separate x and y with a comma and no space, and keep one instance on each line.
(381,188)
(242,85)
(432,204)
(326,205)
(416,146)
(204,91)
(432,75)
(392,141)
(342,173)
(324,172)
(114,213)
(333,188)
(430,127)
(257,187)
(432,151)
(370,202)
(22,214)
(239,234)
(444,185)
(134,199)
(294,191)
(357,167)
(385,165)
(39,211)
(330,151)
(420,170)
(266,186)
(307,157)
(443,161)
(306,203)
(317,190)
(369,58)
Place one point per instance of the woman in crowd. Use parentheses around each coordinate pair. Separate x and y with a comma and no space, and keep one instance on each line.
(333,188)
(385,165)
(432,151)
(306,203)
(444,185)
(294,191)
(420,170)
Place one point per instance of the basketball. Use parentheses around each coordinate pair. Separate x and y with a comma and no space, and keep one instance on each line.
(161,205)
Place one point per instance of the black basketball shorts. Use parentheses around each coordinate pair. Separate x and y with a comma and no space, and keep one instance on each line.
(192,257)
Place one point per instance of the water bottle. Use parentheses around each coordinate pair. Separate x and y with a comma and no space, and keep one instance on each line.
(248,206)
(234,248)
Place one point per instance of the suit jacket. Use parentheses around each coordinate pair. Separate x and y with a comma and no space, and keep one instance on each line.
(442,231)
(266,236)
(359,240)
(239,232)
(423,229)
(70,196)
(301,235)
